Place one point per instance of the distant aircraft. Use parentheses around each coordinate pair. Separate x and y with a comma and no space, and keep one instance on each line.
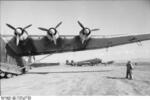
(23,44)
(90,62)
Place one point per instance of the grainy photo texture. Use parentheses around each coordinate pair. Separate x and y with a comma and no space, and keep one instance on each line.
(75,47)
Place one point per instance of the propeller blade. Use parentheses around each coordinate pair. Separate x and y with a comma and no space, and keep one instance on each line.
(55,40)
(43,29)
(81,25)
(17,40)
(27,26)
(11,26)
(58,24)
(95,29)
(24,31)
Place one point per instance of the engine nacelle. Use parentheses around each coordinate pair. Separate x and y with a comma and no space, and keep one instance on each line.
(84,34)
(53,35)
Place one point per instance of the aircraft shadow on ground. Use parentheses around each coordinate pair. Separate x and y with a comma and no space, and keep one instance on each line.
(115,77)
(44,64)
(68,72)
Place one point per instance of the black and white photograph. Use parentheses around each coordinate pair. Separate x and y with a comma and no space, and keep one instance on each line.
(74,48)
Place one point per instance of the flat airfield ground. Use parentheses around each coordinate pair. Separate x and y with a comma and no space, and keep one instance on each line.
(87,80)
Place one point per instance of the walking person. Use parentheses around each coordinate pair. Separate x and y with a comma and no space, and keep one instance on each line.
(129,70)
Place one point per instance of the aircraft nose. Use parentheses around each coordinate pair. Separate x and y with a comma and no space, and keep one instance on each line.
(52,31)
(86,31)
(18,31)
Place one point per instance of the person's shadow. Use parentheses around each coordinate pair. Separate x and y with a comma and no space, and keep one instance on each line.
(115,77)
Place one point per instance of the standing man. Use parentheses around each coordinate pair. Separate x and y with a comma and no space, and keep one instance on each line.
(129,70)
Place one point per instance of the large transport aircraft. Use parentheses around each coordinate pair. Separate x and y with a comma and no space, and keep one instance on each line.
(90,62)
(22,44)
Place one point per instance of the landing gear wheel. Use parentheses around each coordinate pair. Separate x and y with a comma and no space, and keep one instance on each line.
(2,74)
(9,75)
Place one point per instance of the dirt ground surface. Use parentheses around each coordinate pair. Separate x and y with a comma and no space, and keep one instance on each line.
(87,80)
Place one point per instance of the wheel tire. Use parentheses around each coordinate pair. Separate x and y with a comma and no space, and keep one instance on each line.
(8,75)
(2,74)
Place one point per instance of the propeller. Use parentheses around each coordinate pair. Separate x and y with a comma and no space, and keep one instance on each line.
(85,28)
(51,32)
(85,32)
(44,29)
(20,32)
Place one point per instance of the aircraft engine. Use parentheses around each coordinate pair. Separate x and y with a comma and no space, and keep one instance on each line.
(52,33)
(20,33)
(85,32)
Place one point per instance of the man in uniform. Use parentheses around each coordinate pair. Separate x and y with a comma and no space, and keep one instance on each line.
(129,70)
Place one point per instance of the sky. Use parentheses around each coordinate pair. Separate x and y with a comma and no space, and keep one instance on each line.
(111,16)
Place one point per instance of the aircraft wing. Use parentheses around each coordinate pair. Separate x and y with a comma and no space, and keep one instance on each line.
(38,46)
(116,41)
